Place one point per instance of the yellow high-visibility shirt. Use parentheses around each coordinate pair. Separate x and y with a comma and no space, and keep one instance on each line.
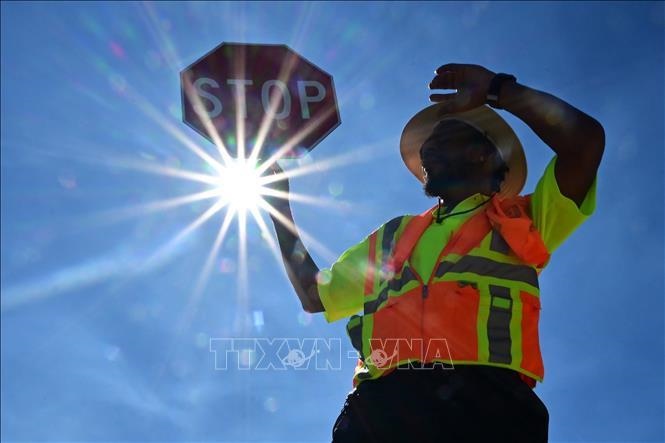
(555,216)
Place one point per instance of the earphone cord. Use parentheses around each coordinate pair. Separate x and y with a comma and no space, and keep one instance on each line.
(440,218)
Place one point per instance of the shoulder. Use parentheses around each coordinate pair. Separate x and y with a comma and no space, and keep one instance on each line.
(393,227)
(513,207)
(392,224)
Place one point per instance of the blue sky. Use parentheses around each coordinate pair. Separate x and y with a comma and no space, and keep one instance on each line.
(93,343)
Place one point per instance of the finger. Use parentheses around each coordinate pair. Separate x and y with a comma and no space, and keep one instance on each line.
(443,98)
(448,102)
(448,67)
(445,80)
(275,168)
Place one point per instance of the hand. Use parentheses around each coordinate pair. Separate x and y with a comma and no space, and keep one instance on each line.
(277,194)
(471,81)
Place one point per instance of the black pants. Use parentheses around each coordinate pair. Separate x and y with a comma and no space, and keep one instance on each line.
(469,403)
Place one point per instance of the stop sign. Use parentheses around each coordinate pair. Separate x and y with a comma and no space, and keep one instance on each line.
(261,93)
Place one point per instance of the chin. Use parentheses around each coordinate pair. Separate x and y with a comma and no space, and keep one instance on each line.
(437,186)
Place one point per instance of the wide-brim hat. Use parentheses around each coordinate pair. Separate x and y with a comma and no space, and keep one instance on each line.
(482,118)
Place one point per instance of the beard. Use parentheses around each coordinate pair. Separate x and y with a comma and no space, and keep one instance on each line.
(445,184)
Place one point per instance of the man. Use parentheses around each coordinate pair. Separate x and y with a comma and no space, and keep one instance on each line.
(448,339)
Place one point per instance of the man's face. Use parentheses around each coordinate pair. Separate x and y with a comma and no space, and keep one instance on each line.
(456,159)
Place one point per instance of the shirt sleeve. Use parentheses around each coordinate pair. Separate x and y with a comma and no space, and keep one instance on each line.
(554,215)
(342,287)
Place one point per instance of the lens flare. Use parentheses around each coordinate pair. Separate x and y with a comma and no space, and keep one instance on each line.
(240,185)
(233,191)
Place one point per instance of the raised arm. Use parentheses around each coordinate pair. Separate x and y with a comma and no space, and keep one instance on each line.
(300,266)
(577,138)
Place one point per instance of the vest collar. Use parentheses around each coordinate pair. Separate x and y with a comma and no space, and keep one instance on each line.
(464,205)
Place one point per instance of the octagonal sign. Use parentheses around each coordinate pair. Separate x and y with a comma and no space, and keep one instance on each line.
(265,95)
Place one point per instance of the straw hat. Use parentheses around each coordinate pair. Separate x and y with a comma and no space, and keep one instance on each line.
(485,120)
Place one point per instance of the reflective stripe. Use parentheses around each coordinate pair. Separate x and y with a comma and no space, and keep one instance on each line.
(371,260)
(498,326)
(498,243)
(410,235)
(490,268)
(387,245)
(387,242)
(395,285)
(389,235)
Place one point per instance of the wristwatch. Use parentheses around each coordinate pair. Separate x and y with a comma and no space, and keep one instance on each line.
(492,98)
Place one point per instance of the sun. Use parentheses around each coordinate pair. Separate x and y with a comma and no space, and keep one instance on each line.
(239,185)
(245,185)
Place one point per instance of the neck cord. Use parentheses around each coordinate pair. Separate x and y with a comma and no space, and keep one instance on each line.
(438,211)
(440,218)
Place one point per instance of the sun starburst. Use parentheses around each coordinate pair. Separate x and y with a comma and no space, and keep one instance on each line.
(240,185)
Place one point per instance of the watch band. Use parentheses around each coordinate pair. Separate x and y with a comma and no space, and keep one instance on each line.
(492,97)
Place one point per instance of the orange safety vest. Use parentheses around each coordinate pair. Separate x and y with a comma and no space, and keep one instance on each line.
(481,304)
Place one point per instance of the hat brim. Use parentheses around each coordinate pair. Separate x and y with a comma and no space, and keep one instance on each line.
(483,118)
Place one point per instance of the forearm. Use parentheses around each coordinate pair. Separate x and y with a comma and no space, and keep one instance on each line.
(300,267)
(576,138)
(568,131)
